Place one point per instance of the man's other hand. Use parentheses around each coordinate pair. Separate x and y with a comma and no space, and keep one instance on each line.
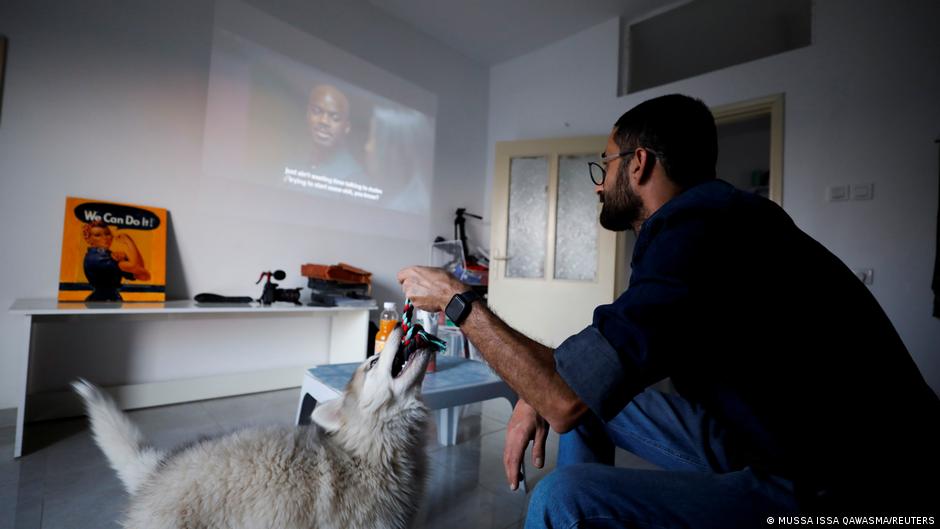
(429,288)
(525,425)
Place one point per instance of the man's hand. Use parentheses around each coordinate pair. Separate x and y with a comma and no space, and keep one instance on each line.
(429,288)
(525,425)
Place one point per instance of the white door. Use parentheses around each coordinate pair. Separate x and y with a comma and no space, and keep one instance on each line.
(551,262)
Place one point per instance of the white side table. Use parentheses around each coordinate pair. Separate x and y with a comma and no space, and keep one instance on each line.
(456,382)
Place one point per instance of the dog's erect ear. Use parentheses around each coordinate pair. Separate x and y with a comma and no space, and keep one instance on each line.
(329,415)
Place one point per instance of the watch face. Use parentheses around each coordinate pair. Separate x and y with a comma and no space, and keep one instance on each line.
(455,309)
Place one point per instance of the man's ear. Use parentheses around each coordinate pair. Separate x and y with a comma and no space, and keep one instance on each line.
(646,162)
(329,415)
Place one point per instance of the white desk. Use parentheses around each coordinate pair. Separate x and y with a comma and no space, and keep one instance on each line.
(347,343)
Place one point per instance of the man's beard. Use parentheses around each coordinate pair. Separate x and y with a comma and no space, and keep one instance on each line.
(622,206)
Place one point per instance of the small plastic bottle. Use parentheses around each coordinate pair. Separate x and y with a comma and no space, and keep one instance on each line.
(387,322)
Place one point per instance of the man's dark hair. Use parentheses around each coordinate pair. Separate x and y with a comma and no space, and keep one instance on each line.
(680,129)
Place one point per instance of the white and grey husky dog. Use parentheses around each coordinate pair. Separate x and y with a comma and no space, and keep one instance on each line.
(364,466)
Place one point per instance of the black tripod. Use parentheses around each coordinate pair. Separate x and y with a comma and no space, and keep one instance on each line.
(460,232)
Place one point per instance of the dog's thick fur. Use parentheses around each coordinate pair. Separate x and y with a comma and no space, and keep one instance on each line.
(362,465)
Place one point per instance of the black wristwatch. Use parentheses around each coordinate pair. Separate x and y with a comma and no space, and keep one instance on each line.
(459,307)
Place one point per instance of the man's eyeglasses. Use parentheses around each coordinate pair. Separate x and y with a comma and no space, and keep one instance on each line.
(598,172)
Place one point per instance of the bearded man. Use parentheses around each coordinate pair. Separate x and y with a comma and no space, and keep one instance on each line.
(794,393)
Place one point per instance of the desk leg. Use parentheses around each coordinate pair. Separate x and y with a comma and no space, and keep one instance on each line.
(24,347)
(447,421)
(305,410)
(307,401)
(312,392)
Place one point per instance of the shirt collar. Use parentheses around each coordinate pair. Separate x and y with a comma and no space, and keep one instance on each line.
(708,195)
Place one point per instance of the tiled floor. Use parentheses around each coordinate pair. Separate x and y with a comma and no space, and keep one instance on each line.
(65,482)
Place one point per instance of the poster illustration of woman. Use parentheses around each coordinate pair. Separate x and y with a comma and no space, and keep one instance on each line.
(104,268)
(112,252)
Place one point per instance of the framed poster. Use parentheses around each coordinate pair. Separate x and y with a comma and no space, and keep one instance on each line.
(112,252)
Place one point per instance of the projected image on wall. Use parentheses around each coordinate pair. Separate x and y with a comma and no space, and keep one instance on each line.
(281,123)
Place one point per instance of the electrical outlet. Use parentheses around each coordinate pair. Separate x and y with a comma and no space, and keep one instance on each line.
(866,275)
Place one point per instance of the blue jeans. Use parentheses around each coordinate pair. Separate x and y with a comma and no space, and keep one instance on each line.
(703,481)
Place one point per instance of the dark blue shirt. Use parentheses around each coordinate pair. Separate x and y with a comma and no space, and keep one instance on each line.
(765,329)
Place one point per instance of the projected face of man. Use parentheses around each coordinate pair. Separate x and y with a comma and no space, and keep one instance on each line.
(328,116)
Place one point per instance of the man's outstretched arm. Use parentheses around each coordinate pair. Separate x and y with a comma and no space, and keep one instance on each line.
(526,365)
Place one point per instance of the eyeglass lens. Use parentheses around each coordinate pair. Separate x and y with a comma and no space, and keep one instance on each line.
(597,173)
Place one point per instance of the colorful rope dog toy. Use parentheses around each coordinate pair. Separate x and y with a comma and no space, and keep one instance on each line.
(414,336)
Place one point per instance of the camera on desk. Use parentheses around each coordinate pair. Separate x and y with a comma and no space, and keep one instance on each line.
(272,293)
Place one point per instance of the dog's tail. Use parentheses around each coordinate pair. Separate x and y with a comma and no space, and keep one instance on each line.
(120,440)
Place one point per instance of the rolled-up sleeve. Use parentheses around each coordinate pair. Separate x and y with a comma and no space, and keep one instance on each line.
(594,370)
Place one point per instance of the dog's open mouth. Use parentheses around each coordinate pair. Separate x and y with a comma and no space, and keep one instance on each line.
(400,362)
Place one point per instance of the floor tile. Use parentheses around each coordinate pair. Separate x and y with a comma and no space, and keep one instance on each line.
(75,452)
(518,524)
(31,467)
(89,497)
(27,501)
(456,499)
(167,427)
(260,408)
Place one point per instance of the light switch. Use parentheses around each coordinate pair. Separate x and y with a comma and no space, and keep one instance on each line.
(838,193)
(863,191)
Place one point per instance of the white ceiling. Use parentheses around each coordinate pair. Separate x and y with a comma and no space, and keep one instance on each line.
(493,31)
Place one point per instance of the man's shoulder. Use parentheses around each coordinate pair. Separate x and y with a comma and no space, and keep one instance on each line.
(709,217)
(717,203)
(715,195)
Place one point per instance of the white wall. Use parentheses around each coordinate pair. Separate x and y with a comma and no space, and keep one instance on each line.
(861,106)
(107,100)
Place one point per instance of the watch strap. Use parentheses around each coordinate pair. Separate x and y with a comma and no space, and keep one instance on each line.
(470,296)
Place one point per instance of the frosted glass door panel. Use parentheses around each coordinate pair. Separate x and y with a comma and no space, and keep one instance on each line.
(527,235)
(576,220)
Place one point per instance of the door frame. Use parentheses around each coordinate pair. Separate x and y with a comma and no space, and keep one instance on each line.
(771,106)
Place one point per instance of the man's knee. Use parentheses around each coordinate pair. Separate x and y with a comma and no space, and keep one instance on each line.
(556,499)
(558,483)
